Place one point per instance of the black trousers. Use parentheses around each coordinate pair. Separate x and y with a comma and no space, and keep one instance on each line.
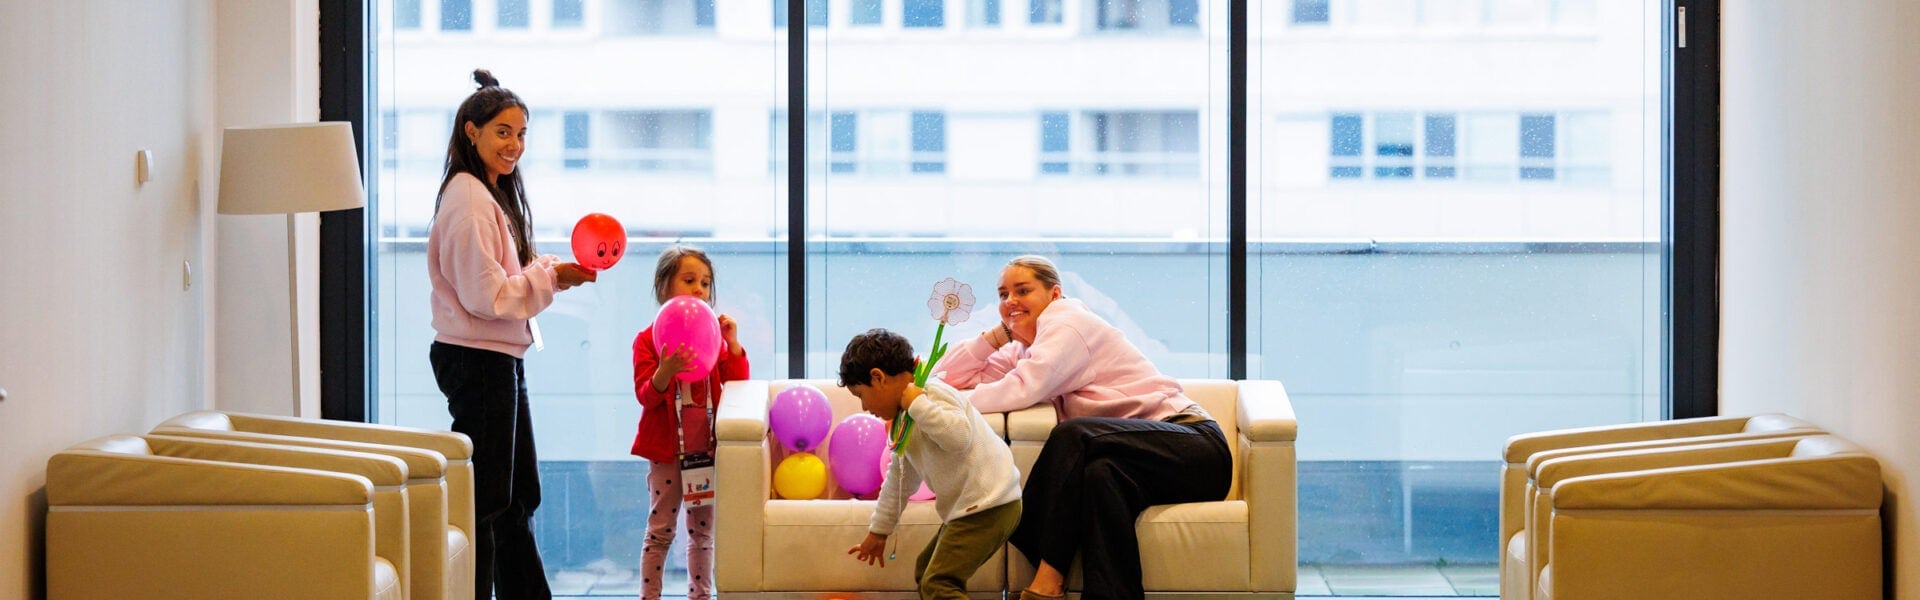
(1094,477)
(487,395)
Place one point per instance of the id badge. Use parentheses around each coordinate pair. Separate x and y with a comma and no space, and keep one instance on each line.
(696,478)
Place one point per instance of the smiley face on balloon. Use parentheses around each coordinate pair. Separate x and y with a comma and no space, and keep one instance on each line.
(598,241)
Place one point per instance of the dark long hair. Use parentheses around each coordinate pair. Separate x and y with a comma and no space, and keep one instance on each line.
(479,108)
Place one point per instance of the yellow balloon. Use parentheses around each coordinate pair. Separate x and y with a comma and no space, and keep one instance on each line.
(801,476)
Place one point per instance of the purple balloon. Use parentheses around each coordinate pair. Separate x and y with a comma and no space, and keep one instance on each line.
(800,417)
(853,455)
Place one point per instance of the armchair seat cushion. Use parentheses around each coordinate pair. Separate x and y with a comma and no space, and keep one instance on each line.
(1172,535)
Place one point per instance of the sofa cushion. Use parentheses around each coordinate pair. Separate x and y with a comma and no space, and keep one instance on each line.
(796,530)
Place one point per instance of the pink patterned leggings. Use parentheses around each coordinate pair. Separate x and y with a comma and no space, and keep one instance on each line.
(663,479)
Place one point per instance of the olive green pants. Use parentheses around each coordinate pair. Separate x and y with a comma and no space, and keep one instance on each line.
(960,547)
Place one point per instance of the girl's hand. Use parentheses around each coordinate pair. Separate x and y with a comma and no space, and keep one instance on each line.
(998,335)
(572,274)
(730,331)
(680,360)
(871,549)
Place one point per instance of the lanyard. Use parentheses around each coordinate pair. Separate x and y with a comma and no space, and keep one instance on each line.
(681,391)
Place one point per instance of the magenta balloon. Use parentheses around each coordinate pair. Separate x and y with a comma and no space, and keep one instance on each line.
(854,453)
(800,417)
(689,321)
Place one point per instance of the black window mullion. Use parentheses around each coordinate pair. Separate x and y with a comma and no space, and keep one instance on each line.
(1693,254)
(344,295)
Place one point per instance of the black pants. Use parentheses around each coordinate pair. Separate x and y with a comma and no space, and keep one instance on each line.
(1094,477)
(487,395)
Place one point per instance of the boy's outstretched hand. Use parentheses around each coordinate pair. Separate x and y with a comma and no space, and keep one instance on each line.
(871,549)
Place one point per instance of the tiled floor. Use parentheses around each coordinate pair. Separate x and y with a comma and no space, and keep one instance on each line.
(1351,582)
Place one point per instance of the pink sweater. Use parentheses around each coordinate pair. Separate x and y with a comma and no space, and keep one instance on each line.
(482,297)
(1084,366)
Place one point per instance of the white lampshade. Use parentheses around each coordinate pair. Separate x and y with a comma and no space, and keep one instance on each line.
(285,169)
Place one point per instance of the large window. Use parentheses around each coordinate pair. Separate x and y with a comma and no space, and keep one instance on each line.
(1454,219)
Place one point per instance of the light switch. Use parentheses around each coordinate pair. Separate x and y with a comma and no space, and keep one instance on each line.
(143,167)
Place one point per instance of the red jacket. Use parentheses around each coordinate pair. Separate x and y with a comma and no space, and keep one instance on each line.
(657,439)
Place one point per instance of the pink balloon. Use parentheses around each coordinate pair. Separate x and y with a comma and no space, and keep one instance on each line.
(886,462)
(685,320)
(800,417)
(854,453)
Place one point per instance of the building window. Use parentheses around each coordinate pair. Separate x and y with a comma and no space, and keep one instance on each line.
(843,147)
(1118,14)
(1054,143)
(816,13)
(1045,12)
(929,142)
(456,15)
(864,12)
(576,134)
(983,13)
(1144,143)
(513,14)
(1344,146)
(658,140)
(1393,146)
(1536,146)
(1439,148)
(1310,12)
(1183,13)
(658,17)
(569,14)
(923,13)
(406,14)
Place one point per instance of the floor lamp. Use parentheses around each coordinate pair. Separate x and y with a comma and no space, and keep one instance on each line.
(288,169)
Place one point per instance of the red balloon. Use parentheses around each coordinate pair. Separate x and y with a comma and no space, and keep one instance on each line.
(598,241)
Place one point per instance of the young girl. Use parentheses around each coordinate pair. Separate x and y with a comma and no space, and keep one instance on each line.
(666,433)
(487,286)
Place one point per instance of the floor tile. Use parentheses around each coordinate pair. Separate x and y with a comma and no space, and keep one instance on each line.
(1386,580)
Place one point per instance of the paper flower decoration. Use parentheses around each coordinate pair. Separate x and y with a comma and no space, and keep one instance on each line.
(951,302)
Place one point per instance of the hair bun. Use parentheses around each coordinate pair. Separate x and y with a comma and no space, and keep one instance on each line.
(485,78)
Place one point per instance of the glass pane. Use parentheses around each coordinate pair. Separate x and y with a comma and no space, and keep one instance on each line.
(675,146)
(1455,228)
(1111,167)
(983,13)
(514,14)
(923,13)
(456,15)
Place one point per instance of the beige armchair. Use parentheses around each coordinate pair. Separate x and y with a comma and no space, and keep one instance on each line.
(1781,518)
(163,517)
(441,483)
(1244,545)
(1519,565)
(773,546)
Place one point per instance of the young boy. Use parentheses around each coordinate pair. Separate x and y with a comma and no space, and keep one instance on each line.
(976,487)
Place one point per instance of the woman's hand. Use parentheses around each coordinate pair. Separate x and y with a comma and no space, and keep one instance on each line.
(680,360)
(572,274)
(870,549)
(730,331)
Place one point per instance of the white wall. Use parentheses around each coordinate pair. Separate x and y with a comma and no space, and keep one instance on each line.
(1820,284)
(97,332)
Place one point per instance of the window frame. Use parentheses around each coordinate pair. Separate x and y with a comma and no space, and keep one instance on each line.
(1690,93)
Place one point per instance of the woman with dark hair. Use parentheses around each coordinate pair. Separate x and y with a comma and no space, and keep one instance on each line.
(1128,436)
(487,286)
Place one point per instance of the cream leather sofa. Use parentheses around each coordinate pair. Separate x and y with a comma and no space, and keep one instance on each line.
(1246,544)
(1519,564)
(163,517)
(440,483)
(1781,518)
(1243,545)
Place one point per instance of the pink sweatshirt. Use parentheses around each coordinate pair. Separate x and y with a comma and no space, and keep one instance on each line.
(482,297)
(1084,366)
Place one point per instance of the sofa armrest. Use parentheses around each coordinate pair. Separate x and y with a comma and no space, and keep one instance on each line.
(1269,483)
(742,462)
(91,478)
